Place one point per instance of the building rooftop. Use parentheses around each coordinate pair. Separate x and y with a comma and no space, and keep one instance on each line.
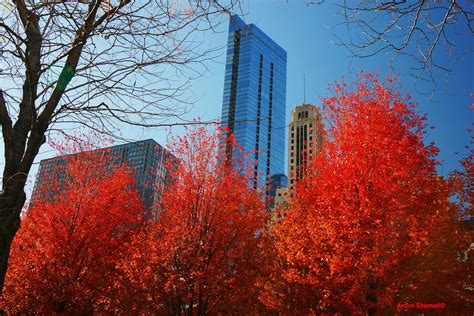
(237,24)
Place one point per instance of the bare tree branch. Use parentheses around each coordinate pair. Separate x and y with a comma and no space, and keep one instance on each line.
(422,31)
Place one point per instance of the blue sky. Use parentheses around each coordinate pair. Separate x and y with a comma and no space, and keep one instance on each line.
(307,34)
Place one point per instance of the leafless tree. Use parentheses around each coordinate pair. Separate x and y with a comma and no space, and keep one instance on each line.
(426,32)
(95,63)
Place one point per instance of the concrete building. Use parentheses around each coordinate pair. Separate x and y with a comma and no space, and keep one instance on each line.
(305,138)
(277,182)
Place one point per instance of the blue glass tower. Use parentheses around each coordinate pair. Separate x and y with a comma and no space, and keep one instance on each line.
(254,104)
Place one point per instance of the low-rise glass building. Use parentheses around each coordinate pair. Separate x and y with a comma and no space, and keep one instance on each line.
(146,160)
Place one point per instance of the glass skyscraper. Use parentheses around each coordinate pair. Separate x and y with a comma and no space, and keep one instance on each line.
(146,160)
(254,102)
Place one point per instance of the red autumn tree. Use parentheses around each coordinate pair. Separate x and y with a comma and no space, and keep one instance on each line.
(64,256)
(443,267)
(201,255)
(363,224)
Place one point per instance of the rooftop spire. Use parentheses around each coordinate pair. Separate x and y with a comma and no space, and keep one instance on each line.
(304,88)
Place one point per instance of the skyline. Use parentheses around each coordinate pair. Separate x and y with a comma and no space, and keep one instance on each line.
(311,54)
(329,62)
(449,111)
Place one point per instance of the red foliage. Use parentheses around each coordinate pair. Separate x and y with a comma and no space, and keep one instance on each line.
(367,228)
(64,255)
(201,255)
(371,227)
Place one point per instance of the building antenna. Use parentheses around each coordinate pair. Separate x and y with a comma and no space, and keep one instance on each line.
(304,88)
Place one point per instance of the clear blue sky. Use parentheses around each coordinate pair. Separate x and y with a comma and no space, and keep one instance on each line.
(306,33)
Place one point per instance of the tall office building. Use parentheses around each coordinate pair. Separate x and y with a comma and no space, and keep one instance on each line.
(146,160)
(254,102)
(305,138)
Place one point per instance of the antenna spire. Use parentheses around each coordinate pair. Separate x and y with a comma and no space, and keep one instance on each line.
(304,88)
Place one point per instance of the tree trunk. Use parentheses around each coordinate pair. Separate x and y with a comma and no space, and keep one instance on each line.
(11,204)
(13,196)
(372,299)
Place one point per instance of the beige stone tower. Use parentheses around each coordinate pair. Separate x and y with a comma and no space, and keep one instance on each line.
(305,137)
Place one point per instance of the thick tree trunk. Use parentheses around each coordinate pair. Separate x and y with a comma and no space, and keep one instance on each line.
(11,204)
(13,197)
